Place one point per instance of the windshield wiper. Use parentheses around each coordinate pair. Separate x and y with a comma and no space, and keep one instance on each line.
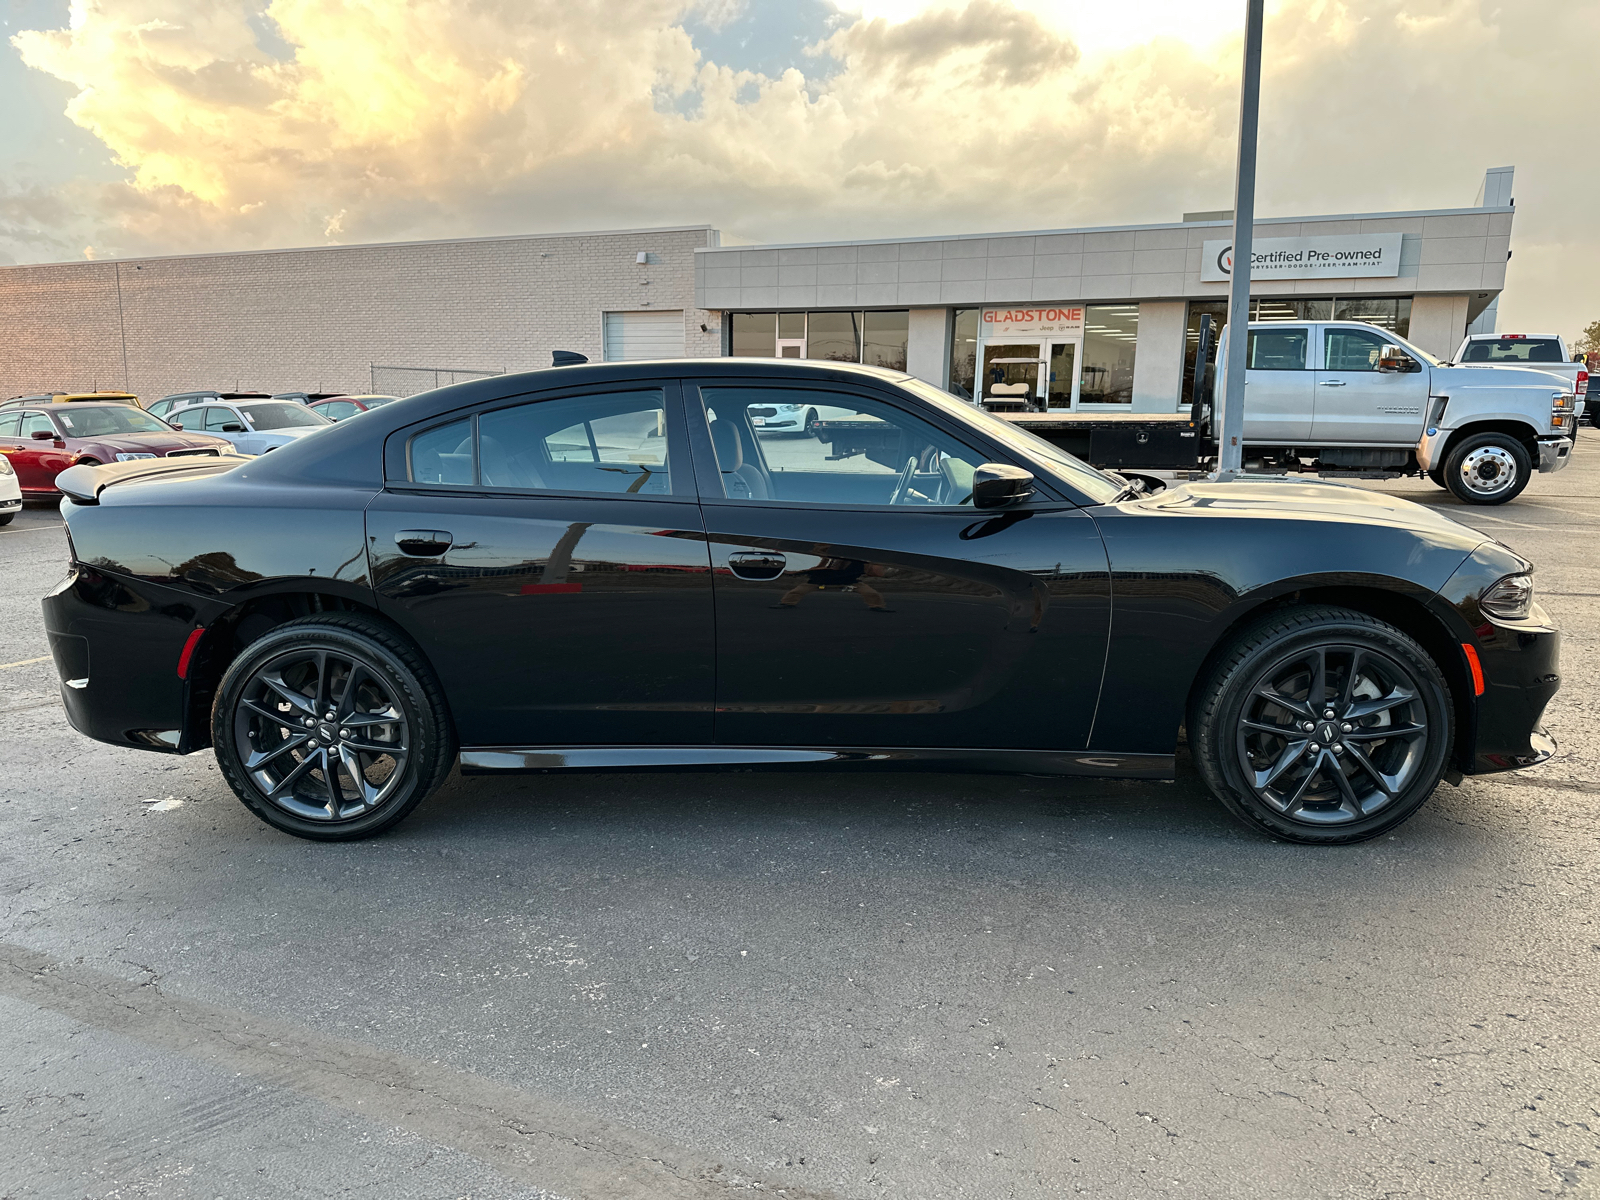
(1129,489)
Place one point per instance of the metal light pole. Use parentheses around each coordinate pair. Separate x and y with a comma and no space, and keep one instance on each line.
(1230,453)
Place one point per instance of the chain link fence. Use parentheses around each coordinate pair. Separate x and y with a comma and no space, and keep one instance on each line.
(408,381)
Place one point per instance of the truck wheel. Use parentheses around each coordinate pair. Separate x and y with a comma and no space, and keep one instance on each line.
(1323,726)
(1487,468)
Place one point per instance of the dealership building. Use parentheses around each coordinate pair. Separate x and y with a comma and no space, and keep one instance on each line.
(1095,320)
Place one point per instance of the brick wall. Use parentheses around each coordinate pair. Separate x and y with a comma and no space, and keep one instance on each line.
(316,320)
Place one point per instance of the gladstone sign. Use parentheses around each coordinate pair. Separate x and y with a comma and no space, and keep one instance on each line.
(1354,256)
(1061,321)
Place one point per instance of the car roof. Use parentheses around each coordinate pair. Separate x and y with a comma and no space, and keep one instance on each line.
(1514,337)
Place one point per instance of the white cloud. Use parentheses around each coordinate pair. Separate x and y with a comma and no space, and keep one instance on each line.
(440,117)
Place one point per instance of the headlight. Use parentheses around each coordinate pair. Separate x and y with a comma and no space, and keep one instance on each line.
(1511,598)
(5,466)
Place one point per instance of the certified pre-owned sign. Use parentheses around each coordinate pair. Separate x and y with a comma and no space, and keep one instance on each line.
(1355,256)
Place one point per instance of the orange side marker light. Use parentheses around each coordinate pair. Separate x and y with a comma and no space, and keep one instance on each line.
(1477,668)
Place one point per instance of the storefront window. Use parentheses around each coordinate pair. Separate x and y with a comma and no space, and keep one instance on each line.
(834,336)
(1386,312)
(964,352)
(755,335)
(884,337)
(1110,338)
(1290,308)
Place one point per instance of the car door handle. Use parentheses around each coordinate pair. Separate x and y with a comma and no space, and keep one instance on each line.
(1330,383)
(757,565)
(424,543)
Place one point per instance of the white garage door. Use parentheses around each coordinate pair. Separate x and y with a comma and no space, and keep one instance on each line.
(632,335)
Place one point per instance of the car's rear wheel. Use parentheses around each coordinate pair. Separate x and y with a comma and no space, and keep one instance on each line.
(1487,468)
(331,727)
(1323,725)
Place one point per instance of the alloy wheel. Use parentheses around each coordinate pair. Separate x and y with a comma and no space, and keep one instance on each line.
(320,734)
(1333,734)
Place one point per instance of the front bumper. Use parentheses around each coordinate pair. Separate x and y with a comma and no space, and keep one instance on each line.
(116,643)
(1554,453)
(1521,672)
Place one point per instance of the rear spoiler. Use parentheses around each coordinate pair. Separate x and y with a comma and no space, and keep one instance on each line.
(83,485)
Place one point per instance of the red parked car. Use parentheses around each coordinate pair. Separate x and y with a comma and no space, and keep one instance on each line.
(337,408)
(43,442)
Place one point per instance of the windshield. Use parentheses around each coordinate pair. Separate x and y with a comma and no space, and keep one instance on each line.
(280,414)
(1096,485)
(376,401)
(104,422)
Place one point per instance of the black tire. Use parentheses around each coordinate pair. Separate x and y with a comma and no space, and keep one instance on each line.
(7,518)
(1360,654)
(88,462)
(1487,468)
(811,422)
(361,670)
(1437,475)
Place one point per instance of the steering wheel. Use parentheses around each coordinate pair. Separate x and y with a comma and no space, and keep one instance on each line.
(903,484)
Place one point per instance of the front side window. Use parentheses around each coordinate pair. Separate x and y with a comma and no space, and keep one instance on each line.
(35,422)
(850,450)
(1277,350)
(217,418)
(610,442)
(1352,349)
(191,419)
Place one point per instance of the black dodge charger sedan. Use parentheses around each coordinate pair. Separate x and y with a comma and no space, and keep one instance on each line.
(604,567)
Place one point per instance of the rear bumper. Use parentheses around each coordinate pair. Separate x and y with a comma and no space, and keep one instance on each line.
(1554,453)
(116,643)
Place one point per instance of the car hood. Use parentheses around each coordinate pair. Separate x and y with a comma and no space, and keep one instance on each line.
(1494,375)
(1281,499)
(156,443)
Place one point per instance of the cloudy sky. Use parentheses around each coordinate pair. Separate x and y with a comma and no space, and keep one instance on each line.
(161,126)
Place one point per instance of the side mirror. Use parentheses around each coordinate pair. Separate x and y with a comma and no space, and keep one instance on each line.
(43,435)
(1392,358)
(233,427)
(996,485)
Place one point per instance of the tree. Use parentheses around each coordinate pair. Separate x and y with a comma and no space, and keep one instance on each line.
(1589,340)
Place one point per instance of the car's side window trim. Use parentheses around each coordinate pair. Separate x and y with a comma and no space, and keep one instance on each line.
(708,477)
(397,451)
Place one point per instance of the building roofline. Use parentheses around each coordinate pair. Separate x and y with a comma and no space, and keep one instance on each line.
(972,237)
(502,237)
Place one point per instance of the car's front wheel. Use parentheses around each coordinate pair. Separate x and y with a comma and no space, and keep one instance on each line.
(331,727)
(1487,468)
(1323,725)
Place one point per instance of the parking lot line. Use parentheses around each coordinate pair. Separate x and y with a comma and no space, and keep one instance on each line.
(26,662)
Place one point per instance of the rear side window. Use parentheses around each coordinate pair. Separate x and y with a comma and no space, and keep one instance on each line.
(1277,350)
(610,442)
(9,423)
(1514,350)
(443,456)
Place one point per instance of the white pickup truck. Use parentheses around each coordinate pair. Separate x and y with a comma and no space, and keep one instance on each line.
(1344,398)
(1541,351)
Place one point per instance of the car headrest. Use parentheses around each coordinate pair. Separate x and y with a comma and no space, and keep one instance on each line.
(730,450)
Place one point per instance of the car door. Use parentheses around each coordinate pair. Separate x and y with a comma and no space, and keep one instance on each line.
(37,460)
(862,601)
(224,422)
(548,555)
(11,441)
(1278,393)
(1358,403)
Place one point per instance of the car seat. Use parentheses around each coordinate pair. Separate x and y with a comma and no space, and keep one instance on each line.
(740,480)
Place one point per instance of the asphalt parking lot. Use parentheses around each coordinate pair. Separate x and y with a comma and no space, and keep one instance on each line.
(856,986)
